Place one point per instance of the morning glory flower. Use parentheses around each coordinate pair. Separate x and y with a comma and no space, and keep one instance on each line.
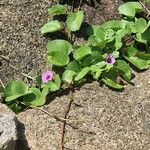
(47,76)
(110,59)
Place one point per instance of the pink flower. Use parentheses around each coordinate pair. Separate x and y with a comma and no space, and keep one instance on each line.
(110,59)
(47,76)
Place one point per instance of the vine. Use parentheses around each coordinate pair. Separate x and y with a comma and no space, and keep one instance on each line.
(109,54)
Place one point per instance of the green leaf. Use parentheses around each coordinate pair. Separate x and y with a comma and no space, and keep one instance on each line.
(57,10)
(74,66)
(118,42)
(57,58)
(146,35)
(140,39)
(129,9)
(35,98)
(75,20)
(68,76)
(58,51)
(96,69)
(57,81)
(100,34)
(110,78)
(113,24)
(71,70)
(14,90)
(144,56)
(137,58)
(81,52)
(141,25)
(100,37)
(92,30)
(82,73)
(148,23)
(45,90)
(138,62)
(94,58)
(51,26)
(52,86)
(60,46)
(130,51)
(109,33)
(122,32)
(112,84)
(125,69)
(119,35)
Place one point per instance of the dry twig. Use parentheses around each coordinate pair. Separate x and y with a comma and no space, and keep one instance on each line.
(2,84)
(64,122)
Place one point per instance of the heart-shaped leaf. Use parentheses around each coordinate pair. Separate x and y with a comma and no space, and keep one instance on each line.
(81,52)
(51,26)
(14,90)
(58,51)
(129,9)
(75,20)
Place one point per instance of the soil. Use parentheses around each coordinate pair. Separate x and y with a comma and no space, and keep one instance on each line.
(103,119)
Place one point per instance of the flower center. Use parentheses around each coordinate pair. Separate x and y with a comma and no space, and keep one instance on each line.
(109,60)
(48,77)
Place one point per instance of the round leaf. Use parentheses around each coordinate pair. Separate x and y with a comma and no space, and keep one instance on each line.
(59,45)
(141,25)
(81,52)
(68,76)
